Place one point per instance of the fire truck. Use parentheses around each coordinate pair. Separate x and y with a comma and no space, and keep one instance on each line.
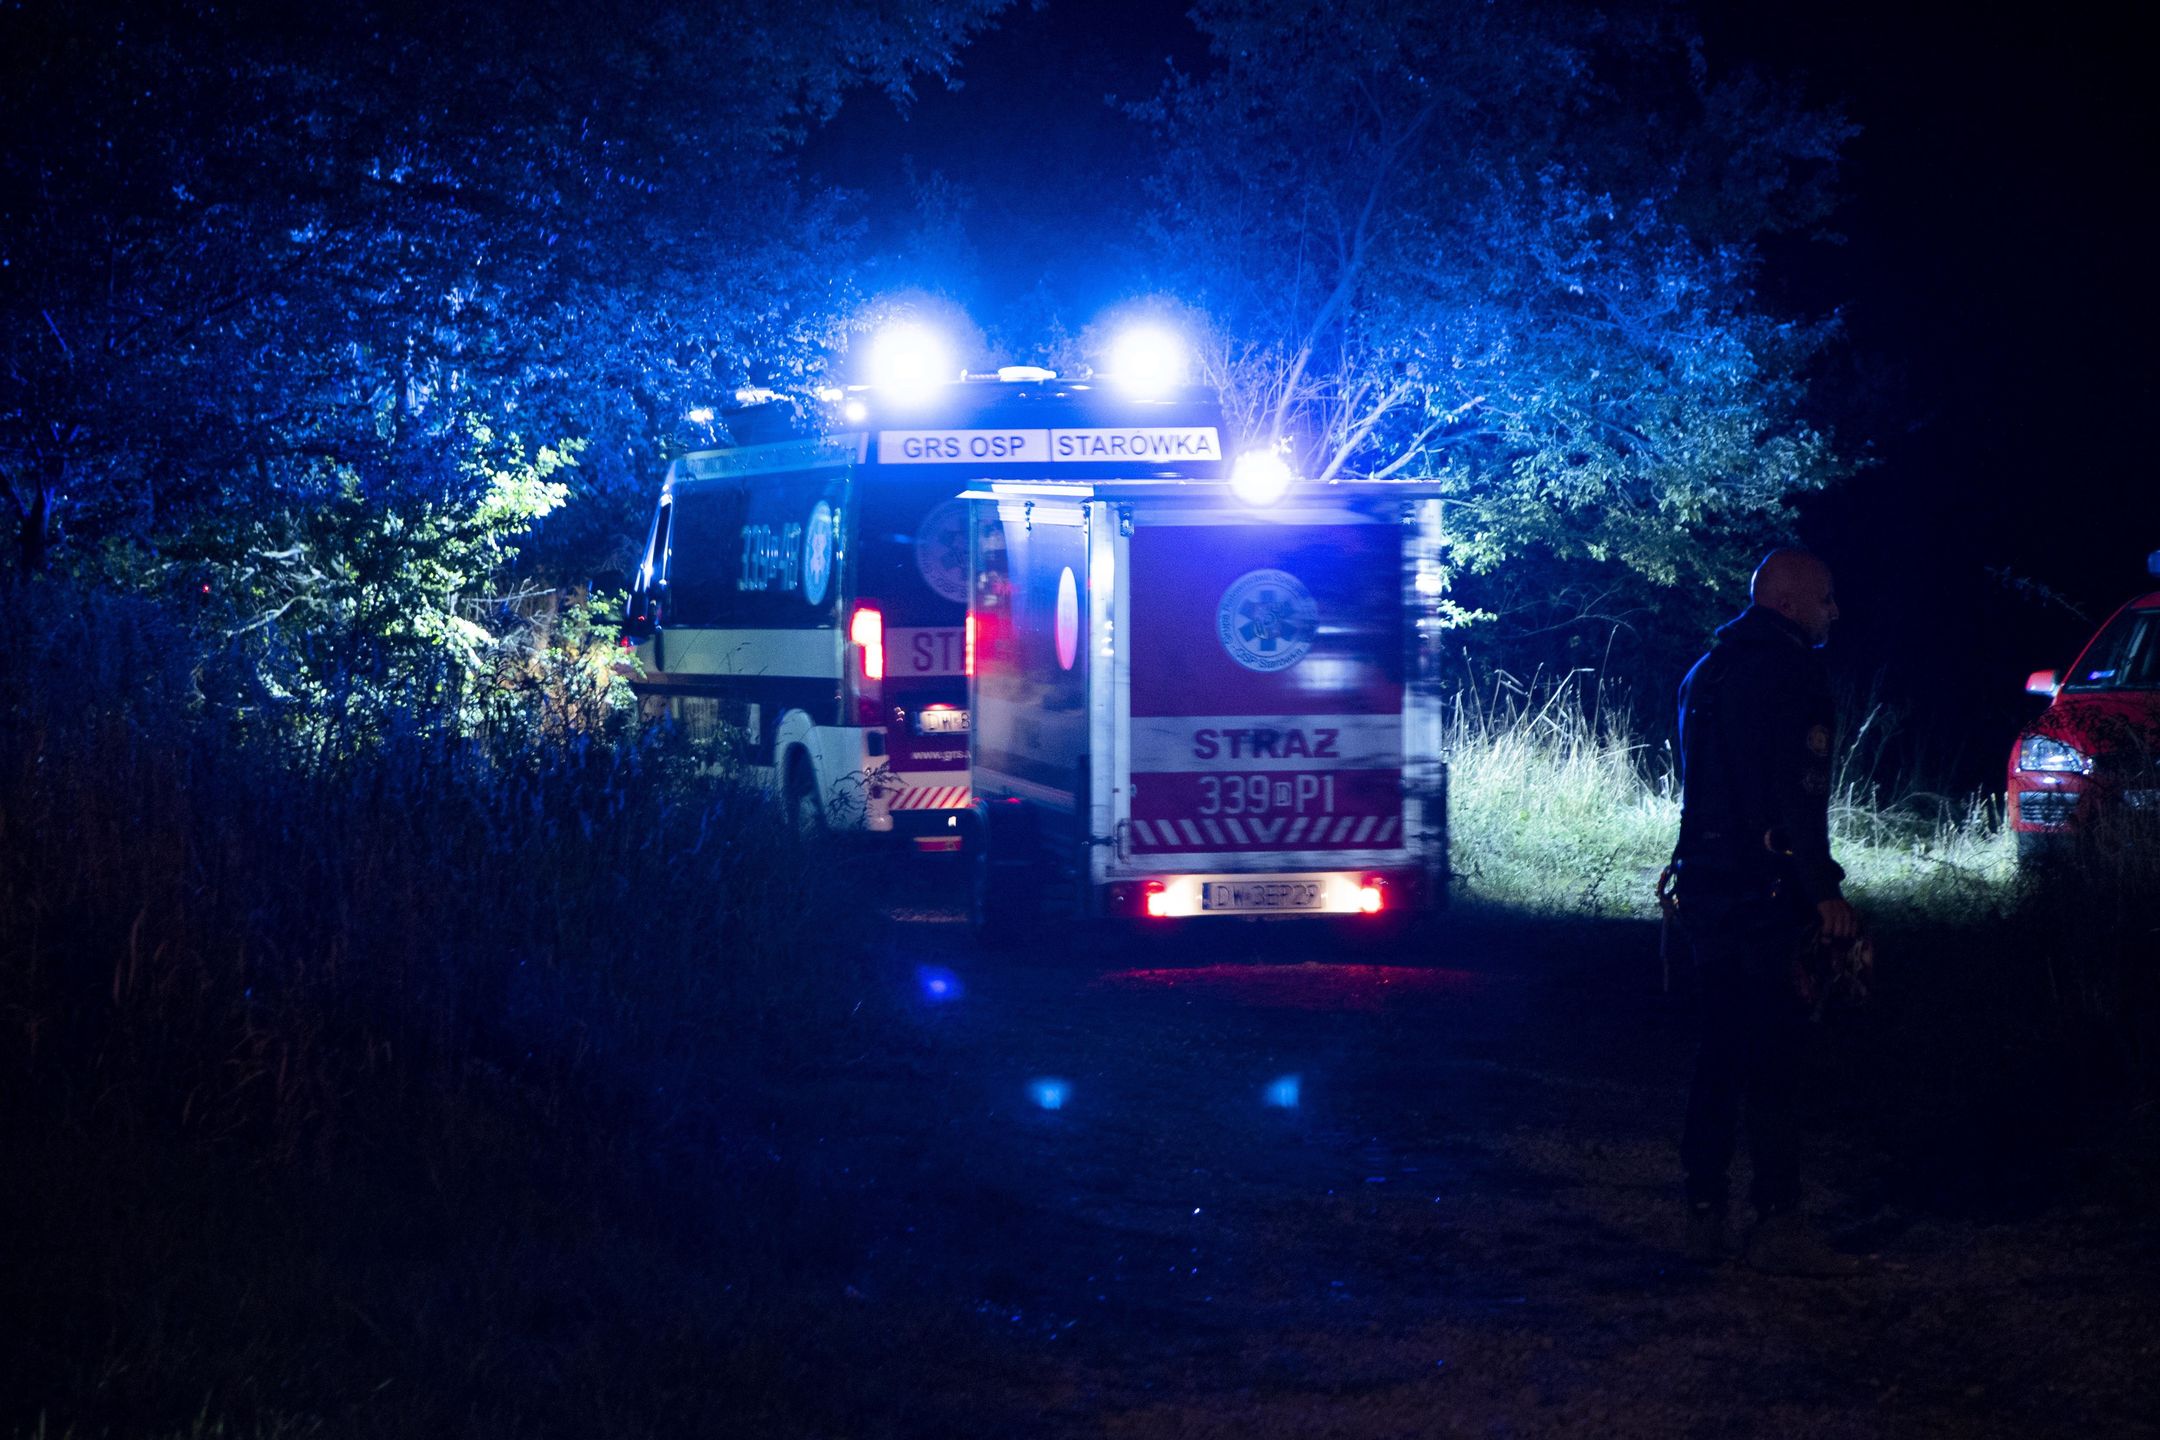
(1199,689)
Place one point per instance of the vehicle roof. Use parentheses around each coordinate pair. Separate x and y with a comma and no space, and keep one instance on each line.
(1352,487)
(879,423)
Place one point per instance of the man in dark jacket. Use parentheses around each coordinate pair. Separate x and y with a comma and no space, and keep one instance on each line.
(1755,882)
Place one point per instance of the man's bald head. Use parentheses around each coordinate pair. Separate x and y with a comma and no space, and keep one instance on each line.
(1798,586)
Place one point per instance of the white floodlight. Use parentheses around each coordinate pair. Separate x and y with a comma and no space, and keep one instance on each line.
(1148,361)
(699,415)
(855,411)
(1260,478)
(910,359)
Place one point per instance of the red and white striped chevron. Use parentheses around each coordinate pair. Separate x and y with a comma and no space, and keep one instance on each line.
(932,797)
(1329,832)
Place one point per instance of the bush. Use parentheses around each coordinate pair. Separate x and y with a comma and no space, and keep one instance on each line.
(214,925)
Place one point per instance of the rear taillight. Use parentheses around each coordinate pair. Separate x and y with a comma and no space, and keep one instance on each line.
(968,664)
(1158,900)
(1372,895)
(866,631)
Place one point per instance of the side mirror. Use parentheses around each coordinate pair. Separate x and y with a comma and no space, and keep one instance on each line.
(2042,682)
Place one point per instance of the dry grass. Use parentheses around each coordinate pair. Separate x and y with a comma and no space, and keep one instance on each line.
(1559,808)
(2007,999)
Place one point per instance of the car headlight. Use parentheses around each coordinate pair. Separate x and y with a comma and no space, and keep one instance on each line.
(2040,752)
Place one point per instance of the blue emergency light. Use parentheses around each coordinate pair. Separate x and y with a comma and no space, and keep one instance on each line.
(1261,477)
(1148,361)
(910,360)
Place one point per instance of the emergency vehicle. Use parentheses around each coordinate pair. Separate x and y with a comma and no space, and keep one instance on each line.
(808,591)
(1199,688)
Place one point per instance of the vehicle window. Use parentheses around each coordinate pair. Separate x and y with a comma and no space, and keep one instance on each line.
(2124,656)
(755,554)
(914,550)
(704,553)
(654,564)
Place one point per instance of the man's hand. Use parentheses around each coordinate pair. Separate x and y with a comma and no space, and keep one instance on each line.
(1839,920)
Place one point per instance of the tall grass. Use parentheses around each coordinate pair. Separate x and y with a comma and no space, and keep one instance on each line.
(216,926)
(2017,1010)
(292,1018)
(1558,806)
(1553,806)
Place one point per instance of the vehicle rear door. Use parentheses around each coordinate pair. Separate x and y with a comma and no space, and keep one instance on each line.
(1261,693)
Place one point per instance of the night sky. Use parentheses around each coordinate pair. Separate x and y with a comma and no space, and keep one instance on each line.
(1991,275)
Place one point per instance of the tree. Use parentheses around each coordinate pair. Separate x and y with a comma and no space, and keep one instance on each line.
(1513,250)
(274,257)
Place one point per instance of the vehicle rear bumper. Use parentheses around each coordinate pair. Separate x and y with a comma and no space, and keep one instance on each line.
(1336,893)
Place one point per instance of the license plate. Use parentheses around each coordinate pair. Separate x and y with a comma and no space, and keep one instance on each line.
(1260,895)
(941,722)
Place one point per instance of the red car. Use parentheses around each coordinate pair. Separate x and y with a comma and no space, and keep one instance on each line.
(2091,761)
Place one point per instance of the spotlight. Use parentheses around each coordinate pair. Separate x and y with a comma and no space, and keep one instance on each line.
(1261,477)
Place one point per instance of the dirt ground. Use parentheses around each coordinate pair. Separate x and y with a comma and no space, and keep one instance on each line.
(1249,1183)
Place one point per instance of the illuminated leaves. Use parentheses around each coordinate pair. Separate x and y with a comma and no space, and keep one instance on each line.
(243,241)
(1510,249)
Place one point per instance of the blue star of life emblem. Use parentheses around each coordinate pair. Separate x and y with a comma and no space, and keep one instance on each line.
(1267,620)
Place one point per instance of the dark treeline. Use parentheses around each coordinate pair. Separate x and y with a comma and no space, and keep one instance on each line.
(375,319)
(278,282)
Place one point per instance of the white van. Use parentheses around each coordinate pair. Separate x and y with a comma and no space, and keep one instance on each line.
(814,601)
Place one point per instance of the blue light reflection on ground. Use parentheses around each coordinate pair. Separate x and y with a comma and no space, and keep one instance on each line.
(938,984)
(1283,1093)
(1049,1093)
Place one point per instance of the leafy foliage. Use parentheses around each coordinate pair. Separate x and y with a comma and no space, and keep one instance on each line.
(247,246)
(1512,250)
(373,593)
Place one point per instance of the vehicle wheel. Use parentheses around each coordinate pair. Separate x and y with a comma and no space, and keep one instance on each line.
(803,806)
(2037,849)
(1001,895)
